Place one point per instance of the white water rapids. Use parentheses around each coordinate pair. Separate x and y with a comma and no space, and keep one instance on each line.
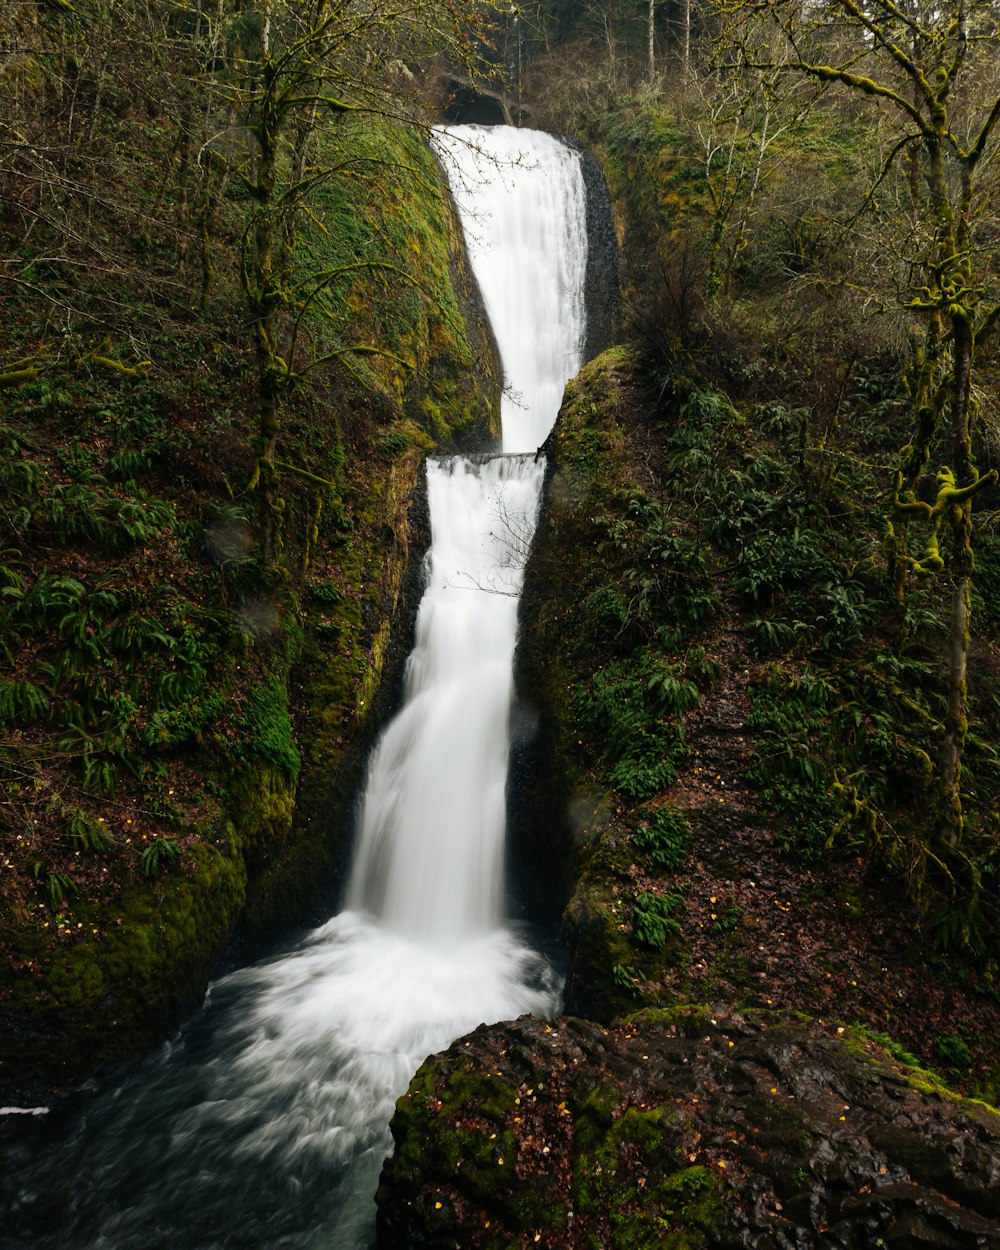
(264,1124)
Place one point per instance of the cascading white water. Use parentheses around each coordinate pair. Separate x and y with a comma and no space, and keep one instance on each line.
(269,1114)
(430,854)
(522,201)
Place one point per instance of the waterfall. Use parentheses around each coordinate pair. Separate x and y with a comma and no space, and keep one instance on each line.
(265,1123)
(430,853)
(521,198)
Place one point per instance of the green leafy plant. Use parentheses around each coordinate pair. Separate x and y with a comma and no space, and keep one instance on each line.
(394,444)
(160,854)
(22,702)
(172,727)
(619,710)
(626,977)
(666,577)
(727,919)
(327,593)
(51,596)
(673,694)
(665,838)
(56,887)
(953,1052)
(139,636)
(653,917)
(130,463)
(84,833)
(789,715)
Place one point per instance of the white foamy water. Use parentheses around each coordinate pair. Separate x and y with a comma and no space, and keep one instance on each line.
(430,854)
(523,206)
(264,1125)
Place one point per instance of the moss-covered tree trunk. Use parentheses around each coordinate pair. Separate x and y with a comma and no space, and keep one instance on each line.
(956,723)
(263,292)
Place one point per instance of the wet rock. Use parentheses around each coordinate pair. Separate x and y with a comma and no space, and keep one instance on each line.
(691,1127)
(603,279)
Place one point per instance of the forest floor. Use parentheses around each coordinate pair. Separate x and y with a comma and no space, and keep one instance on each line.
(833,940)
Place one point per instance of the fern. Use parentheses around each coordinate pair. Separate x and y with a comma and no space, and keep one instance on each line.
(51,596)
(160,854)
(56,887)
(673,695)
(81,630)
(83,833)
(665,839)
(22,702)
(128,463)
(653,917)
(138,635)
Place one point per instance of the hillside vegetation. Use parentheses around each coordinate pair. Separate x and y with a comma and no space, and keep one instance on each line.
(770,677)
(236,318)
(219,381)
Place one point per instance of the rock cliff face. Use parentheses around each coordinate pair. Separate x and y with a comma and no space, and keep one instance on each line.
(688,1128)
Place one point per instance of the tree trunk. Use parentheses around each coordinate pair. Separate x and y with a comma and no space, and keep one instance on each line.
(264,299)
(686,36)
(956,723)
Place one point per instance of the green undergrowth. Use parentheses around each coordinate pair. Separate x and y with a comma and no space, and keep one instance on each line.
(618,614)
(682,514)
(182,722)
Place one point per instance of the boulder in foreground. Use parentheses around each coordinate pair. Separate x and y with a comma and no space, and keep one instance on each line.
(685,1128)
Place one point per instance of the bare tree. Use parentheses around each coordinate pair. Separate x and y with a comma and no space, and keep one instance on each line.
(932,69)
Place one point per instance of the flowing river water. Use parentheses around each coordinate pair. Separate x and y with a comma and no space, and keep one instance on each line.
(264,1123)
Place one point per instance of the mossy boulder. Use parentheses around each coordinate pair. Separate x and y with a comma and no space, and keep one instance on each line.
(129,976)
(687,1128)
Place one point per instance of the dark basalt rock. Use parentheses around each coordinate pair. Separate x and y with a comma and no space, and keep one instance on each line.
(602,281)
(685,1128)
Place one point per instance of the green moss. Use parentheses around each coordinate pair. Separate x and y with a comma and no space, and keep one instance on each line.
(480,1141)
(269,727)
(427,319)
(627,1178)
(111,993)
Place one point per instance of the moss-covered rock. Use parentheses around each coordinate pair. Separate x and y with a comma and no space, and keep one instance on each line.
(590,668)
(695,1127)
(120,979)
(553,782)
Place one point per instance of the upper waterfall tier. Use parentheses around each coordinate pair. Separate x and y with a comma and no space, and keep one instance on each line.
(522,202)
